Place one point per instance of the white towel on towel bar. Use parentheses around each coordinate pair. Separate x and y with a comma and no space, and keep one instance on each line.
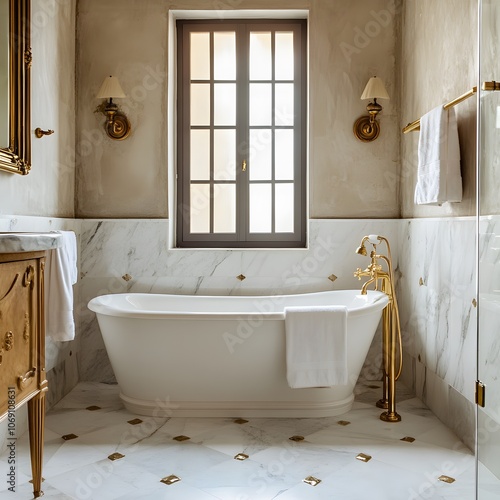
(60,276)
(439,179)
(316,346)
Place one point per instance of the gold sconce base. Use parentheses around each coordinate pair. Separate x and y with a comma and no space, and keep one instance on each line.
(118,127)
(365,129)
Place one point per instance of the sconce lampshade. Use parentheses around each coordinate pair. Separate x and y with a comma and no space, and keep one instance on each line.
(375,89)
(366,128)
(110,88)
(117,125)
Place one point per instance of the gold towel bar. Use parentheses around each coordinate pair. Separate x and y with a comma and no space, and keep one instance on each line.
(486,86)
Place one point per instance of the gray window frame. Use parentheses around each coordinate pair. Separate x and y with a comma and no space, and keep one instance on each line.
(242,238)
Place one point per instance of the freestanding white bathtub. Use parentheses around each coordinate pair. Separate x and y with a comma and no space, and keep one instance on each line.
(177,355)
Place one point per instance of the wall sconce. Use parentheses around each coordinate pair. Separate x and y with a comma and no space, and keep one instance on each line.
(117,125)
(366,128)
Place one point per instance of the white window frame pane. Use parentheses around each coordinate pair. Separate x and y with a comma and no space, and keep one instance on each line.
(200,104)
(224,208)
(261,208)
(200,208)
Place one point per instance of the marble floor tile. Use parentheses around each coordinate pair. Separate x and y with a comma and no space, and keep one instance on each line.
(274,466)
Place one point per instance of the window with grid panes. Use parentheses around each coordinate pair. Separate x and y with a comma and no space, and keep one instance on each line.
(241,133)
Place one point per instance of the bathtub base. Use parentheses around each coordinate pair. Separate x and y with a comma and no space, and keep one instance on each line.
(255,409)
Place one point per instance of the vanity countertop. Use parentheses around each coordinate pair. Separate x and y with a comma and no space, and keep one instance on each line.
(29,242)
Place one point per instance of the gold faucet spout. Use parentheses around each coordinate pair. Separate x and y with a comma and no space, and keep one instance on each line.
(367,284)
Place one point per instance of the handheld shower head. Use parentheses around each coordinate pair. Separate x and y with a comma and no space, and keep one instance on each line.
(361,250)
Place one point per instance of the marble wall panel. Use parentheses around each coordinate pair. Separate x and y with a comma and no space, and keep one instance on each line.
(436,287)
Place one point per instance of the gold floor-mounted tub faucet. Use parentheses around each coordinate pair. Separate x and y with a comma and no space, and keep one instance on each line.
(383,280)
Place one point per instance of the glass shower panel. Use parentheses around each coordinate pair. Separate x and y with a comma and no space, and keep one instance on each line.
(488,186)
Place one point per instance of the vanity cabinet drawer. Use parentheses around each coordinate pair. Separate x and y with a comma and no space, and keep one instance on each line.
(21,367)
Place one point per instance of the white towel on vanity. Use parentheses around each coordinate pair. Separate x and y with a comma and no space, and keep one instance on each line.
(439,179)
(316,346)
(60,275)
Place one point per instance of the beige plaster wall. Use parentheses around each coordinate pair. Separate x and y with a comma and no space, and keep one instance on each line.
(348,178)
(439,63)
(348,44)
(48,189)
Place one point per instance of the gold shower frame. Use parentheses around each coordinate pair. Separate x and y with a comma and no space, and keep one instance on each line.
(16,158)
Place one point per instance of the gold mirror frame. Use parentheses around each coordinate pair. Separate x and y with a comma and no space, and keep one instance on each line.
(17,157)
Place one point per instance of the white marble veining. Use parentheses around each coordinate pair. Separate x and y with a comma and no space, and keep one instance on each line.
(276,466)
(29,242)
(436,289)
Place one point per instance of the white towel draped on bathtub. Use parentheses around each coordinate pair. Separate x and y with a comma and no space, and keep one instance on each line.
(316,346)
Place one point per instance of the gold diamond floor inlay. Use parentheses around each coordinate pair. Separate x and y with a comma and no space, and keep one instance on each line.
(446,479)
(363,457)
(93,408)
(181,438)
(68,437)
(313,481)
(135,421)
(115,456)
(170,479)
(408,439)
(240,421)
(296,438)
(343,422)
(241,456)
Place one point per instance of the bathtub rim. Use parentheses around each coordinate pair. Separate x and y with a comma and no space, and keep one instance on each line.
(380,300)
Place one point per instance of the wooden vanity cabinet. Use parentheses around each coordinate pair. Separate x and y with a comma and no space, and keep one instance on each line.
(22,349)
